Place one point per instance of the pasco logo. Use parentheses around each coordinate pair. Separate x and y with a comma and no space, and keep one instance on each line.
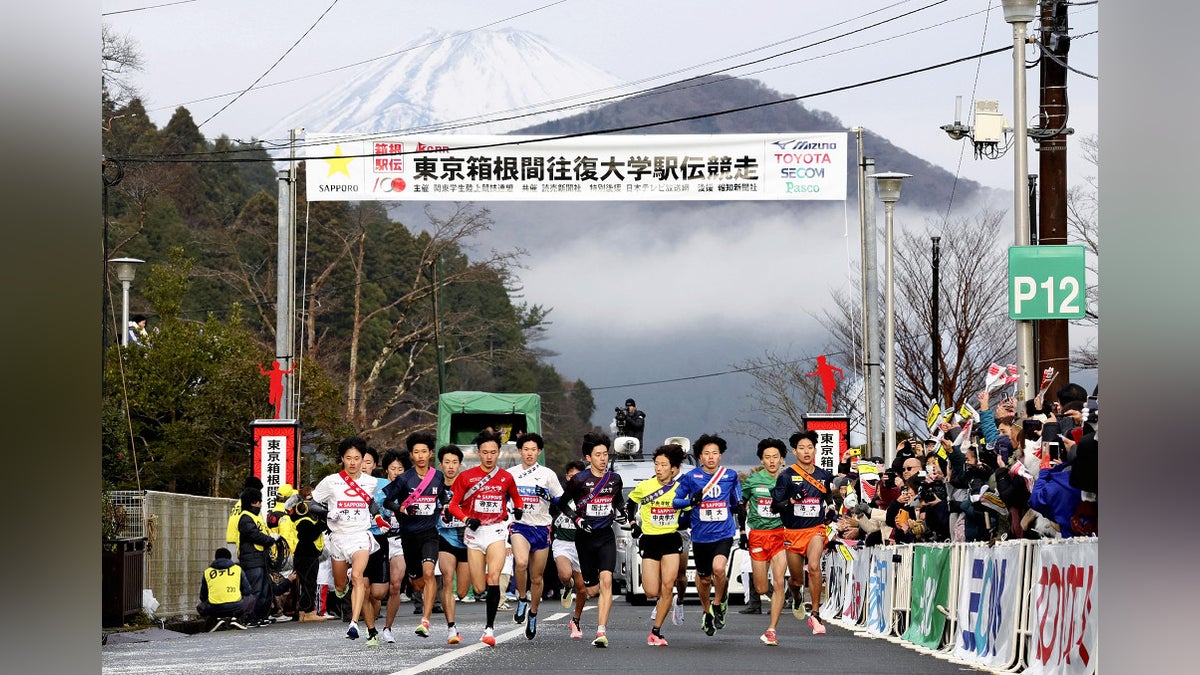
(389,184)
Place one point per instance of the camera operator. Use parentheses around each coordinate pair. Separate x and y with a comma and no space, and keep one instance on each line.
(309,518)
(629,421)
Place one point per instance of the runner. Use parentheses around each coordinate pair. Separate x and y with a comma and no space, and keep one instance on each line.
(657,532)
(803,500)
(592,494)
(376,571)
(452,553)
(765,542)
(347,496)
(681,582)
(539,488)
(566,558)
(415,497)
(394,462)
(714,494)
(480,499)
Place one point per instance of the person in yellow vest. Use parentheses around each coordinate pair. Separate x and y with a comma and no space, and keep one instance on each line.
(253,540)
(235,513)
(225,591)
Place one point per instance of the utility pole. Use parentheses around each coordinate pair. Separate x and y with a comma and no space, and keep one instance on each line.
(936,334)
(283,293)
(870,300)
(1053,345)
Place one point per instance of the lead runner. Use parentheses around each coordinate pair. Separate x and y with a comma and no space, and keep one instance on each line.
(480,499)
(803,499)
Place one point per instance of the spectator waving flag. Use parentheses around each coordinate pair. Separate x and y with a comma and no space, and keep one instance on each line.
(1047,377)
(995,378)
(933,416)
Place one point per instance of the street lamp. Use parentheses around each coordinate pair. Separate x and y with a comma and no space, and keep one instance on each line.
(1019,13)
(888,187)
(126,271)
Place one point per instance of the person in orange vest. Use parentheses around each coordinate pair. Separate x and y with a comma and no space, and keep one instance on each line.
(225,591)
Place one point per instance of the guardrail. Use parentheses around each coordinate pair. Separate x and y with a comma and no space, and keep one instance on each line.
(1016,606)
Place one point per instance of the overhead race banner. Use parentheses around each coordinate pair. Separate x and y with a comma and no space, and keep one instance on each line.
(602,167)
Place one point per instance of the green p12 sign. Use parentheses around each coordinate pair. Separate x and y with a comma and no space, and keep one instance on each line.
(1046,282)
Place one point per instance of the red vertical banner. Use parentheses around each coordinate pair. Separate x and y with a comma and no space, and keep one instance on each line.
(274,457)
(833,438)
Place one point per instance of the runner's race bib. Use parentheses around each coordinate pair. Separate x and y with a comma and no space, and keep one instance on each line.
(714,511)
(426,506)
(489,505)
(764,507)
(810,507)
(662,516)
(599,507)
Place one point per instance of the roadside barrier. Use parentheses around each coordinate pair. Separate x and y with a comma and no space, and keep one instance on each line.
(1015,606)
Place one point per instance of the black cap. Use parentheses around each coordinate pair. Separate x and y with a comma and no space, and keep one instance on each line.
(630,402)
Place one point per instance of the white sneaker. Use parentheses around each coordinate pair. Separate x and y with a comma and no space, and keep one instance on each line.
(282,617)
(568,599)
(654,613)
(386,634)
(676,611)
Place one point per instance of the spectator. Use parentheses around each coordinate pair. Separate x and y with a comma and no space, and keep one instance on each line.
(309,520)
(225,591)
(137,329)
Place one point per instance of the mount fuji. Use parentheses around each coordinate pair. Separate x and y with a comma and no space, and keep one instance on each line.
(449,82)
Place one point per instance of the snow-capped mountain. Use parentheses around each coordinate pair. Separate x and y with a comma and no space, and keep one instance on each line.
(446,79)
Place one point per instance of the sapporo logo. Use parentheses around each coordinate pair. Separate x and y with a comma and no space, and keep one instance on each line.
(389,184)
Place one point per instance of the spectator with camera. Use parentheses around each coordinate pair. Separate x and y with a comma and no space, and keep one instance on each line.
(629,421)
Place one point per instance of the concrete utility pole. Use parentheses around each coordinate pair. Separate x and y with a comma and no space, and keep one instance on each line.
(870,301)
(283,294)
(1019,13)
(1053,344)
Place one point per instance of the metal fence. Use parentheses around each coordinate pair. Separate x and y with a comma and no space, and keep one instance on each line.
(182,533)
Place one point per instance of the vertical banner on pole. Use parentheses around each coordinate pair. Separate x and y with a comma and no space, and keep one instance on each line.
(988,602)
(274,457)
(879,586)
(833,438)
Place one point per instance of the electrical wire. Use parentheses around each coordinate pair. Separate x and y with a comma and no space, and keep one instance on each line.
(674,86)
(172,159)
(138,9)
(268,71)
(974,88)
(1050,55)
(366,61)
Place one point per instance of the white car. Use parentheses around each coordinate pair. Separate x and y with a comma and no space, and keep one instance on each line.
(633,467)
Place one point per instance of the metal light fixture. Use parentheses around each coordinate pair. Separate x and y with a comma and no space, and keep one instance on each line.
(887,184)
(126,271)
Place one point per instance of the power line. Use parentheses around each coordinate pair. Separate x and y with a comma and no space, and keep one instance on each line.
(138,9)
(481,119)
(166,159)
(268,71)
(366,61)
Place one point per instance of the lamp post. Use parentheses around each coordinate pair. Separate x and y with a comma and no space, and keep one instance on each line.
(1019,13)
(888,186)
(126,271)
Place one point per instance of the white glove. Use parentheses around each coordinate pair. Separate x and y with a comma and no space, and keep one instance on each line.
(275,535)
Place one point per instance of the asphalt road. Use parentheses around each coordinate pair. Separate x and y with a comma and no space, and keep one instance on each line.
(323,648)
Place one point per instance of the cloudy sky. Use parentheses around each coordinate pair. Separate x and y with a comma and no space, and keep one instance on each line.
(635,304)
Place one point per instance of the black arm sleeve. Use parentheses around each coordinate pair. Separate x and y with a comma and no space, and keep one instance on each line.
(631,509)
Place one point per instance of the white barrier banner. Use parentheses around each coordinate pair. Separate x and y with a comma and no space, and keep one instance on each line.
(836,572)
(879,591)
(602,167)
(988,604)
(1065,612)
(856,585)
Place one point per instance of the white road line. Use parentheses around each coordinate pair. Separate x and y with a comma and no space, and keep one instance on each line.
(442,660)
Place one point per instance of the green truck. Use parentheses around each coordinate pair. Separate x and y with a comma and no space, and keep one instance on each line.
(463,414)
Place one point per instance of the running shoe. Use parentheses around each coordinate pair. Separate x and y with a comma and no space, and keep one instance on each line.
(601,640)
(656,640)
(452,636)
(676,611)
(352,631)
(423,629)
(575,632)
(798,606)
(488,638)
(707,624)
(815,624)
(769,638)
(531,627)
(654,613)
(718,616)
(386,634)
(373,640)
(567,599)
(342,593)
(522,609)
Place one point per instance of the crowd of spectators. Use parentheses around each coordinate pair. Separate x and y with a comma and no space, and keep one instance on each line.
(1003,473)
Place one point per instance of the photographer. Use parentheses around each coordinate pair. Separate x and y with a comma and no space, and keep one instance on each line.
(934,503)
(629,421)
